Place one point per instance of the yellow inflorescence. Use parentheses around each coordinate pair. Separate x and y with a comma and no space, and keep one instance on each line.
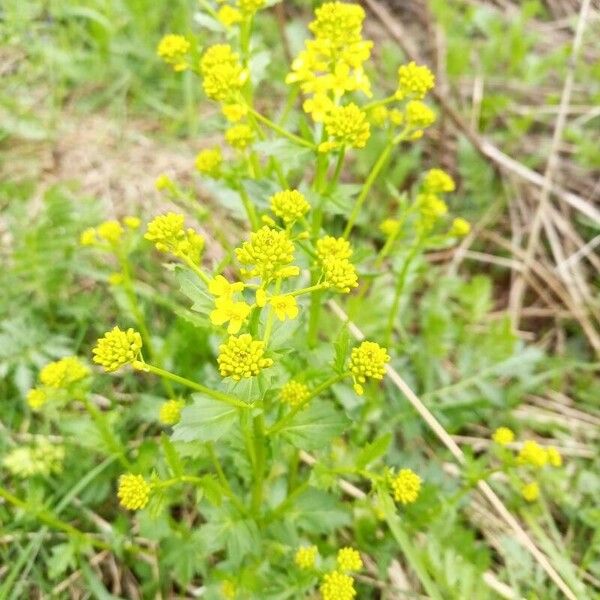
(228,311)
(337,586)
(163,182)
(294,393)
(242,357)
(117,348)
(63,372)
(306,557)
(339,274)
(40,458)
(36,398)
(418,115)
(531,491)
(269,252)
(331,247)
(460,227)
(554,456)
(367,361)
(437,181)
(503,436)
(289,205)
(346,126)
(389,227)
(208,162)
(249,7)
(414,81)
(229,15)
(170,411)
(110,231)
(168,234)
(348,559)
(533,454)
(431,208)
(406,486)
(222,73)
(173,49)
(134,491)
(239,136)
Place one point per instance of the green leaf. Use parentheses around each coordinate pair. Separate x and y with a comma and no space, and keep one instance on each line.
(62,558)
(195,289)
(212,490)
(315,426)
(317,511)
(205,420)
(371,452)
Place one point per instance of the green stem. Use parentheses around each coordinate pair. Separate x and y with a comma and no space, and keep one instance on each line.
(223,479)
(338,169)
(377,103)
(290,136)
(249,208)
(215,394)
(279,425)
(259,465)
(367,187)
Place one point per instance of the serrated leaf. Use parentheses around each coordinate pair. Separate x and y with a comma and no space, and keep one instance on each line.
(371,452)
(205,420)
(315,426)
(317,511)
(195,289)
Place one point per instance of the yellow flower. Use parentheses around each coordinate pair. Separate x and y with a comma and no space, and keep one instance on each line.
(340,274)
(168,234)
(133,492)
(110,231)
(234,112)
(222,74)
(249,7)
(294,393)
(367,361)
(228,15)
(242,357)
(268,251)
(337,586)
(285,306)
(209,161)
(219,286)
(88,237)
(396,117)
(318,107)
(554,456)
(460,227)
(170,412)
(132,222)
(348,559)
(533,454)
(117,348)
(431,207)
(163,182)
(173,49)
(379,115)
(414,81)
(40,458)
(330,247)
(406,486)
(289,205)
(306,557)
(63,372)
(347,126)
(339,23)
(228,311)
(418,115)
(36,398)
(239,136)
(389,227)
(437,181)
(531,491)
(503,436)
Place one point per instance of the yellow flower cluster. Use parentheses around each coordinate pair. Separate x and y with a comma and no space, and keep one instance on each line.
(460,227)
(110,232)
(270,253)
(289,205)
(337,586)
(249,7)
(222,73)
(531,491)
(389,227)
(173,49)
(242,357)
(367,361)
(306,557)
(133,492)
(208,162)
(437,181)
(36,398)
(503,436)
(239,136)
(532,454)
(346,126)
(338,272)
(63,372)
(348,559)
(168,234)
(117,348)
(405,486)
(294,393)
(40,458)
(234,112)
(418,116)
(229,15)
(170,411)
(331,64)
(414,81)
